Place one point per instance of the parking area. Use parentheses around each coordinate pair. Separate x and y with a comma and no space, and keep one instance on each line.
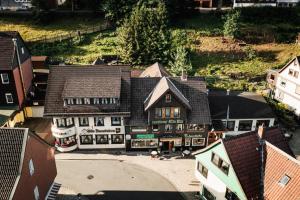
(128,176)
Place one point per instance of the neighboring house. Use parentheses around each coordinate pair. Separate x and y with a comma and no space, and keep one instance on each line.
(168,113)
(265,3)
(15,77)
(155,70)
(15,4)
(89,106)
(27,169)
(285,84)
(253,165)
(236,112)
(203,4)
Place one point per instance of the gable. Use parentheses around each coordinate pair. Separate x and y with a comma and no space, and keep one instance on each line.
(230,180)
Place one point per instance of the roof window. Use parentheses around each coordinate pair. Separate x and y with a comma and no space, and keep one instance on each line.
(284,180)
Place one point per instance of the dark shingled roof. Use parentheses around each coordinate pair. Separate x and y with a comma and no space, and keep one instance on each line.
(7,51)
(244,154)
(155,70)
(58,76)
(237,102)
(164,85)
(12,148)
(194,90)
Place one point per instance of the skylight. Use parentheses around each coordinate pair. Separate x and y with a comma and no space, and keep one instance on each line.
(284,180)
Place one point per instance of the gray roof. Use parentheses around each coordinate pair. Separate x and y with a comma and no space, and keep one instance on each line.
(155,70)
(163,86)
(92,86)
(242,105)
(105,76)
(12,148)
(194,90)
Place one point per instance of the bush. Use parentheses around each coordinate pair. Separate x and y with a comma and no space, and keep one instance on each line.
(231,24)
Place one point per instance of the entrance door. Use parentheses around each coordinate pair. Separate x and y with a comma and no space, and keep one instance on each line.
(165,145)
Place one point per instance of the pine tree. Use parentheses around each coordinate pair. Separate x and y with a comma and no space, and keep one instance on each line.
(180,62)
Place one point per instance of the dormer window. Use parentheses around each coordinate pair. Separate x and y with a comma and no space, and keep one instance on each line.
(87,101)
(96,101)
(284,180)
(104,101)
(78,101)
(70,101)
(168,98)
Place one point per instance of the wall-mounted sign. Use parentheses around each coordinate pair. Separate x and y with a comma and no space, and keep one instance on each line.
(192,136)
(170,121)
(145,136)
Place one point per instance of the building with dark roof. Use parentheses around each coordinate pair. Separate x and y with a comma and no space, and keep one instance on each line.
(235,112)
(15,74)
(93,107)
(89,106)
(243,167)
(27,169)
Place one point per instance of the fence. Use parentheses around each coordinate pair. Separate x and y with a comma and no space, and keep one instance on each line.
(70,35)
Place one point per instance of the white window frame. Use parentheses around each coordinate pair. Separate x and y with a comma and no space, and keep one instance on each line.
(6,97)
(195,144)
(31,167)
(36,193)
(2,78)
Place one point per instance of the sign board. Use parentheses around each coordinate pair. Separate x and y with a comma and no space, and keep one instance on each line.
(195,135)
(144,136)
(170,121)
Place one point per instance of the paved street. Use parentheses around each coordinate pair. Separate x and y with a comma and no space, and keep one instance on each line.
(131,176)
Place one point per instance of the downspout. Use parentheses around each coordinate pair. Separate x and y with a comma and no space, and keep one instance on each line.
(21,73)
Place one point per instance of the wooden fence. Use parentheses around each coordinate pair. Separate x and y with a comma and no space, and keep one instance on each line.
(70,35)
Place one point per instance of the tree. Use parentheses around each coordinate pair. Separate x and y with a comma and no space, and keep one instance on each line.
(231,24)
(117,10)
(180,62)
(180,8)
(144,37)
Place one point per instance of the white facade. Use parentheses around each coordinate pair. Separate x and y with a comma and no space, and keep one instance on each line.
(241,5)
(287,88)
(71,133)
(212,183)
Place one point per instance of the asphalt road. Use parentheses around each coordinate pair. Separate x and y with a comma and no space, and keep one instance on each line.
(114,180)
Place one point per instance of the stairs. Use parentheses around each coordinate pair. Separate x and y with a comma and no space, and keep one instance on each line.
(53,192)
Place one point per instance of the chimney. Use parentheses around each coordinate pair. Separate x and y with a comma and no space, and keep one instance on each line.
(261,131)
(183,76)
(227,92)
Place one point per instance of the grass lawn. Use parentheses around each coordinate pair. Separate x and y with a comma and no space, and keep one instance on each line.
(30,30)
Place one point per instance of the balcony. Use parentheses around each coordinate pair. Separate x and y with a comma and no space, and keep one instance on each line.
(63,132)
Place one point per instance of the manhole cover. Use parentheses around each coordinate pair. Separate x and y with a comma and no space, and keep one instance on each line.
(90,177)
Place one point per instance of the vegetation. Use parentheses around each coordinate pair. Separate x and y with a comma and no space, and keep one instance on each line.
(231,24)
(179,62)
(144,37)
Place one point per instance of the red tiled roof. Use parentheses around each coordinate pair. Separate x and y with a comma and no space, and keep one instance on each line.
(278,164)
(243,152)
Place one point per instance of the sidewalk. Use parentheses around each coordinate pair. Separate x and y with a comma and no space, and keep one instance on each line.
(180,172)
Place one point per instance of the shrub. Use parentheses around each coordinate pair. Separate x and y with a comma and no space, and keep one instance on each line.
(231,24)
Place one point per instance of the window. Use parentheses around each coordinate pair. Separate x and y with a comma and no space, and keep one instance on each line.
(61,122)
(155,128)
(203,170)
(102,139)
(158,112)
(168,112)
(283,82)
(31,167)
(284,180)
(104,101)
(176,112)
(78,101)
(36,193)
(296,74)
(187,142)
(179,127)
(70,101)
(83,121)
(98,121)
(87,101)
(117,139)
(196,127)
(261,122)
(297,91)
(69,121)
(229,125)
(245,125)
(291,72)
(144,143)
(207,194)
(168,98)
(198,141)
(86,139)
(22,50)
(4,78)
(168,127)
(220,163)
(9,98)
(116,121)
(280,95)
(230,195)
(96,101)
